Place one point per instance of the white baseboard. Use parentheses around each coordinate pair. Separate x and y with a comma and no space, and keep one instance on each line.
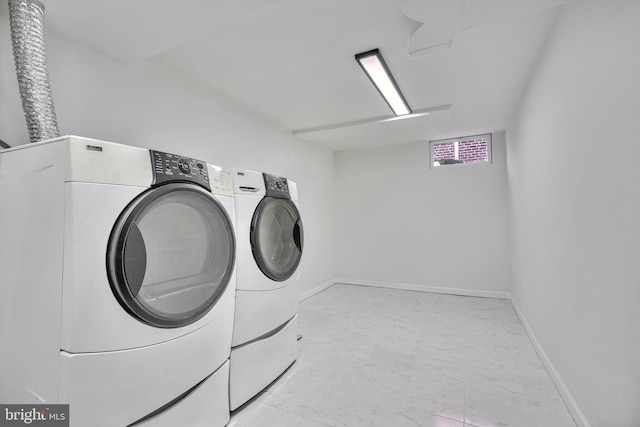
(311,292)
(423,288)
(566,395)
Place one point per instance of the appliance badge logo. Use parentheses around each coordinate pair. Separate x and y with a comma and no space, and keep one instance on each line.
(34,415)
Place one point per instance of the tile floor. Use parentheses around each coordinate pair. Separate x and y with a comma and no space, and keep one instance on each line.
(384,357)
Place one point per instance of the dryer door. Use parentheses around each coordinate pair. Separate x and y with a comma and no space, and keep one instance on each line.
(276,238)
(171,255)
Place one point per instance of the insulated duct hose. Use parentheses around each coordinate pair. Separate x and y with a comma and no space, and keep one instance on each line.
(27,36)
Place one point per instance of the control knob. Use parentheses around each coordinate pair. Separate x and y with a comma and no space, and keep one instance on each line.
(183,166)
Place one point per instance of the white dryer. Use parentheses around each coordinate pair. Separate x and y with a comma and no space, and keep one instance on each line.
(270,240)
(118,283)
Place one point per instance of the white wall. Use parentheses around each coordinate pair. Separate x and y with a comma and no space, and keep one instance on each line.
(403,222)
(151,105)
(574,192)
(573,161)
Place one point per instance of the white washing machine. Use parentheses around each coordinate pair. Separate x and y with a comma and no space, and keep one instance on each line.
(118,283)
(270,240)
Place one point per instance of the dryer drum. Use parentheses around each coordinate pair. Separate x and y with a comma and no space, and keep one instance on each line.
(170,255)
(277,237)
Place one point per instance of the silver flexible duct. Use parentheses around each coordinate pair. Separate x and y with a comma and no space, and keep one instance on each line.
(27,35)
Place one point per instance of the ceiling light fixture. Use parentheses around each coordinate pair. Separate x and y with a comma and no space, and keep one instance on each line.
(373,64)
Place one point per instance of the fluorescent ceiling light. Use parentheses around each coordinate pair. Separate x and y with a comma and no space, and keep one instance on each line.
(373,64)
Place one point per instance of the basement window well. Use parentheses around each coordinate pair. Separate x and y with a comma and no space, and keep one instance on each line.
(463,150)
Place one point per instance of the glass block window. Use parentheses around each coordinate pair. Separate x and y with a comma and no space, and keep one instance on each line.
(468,149)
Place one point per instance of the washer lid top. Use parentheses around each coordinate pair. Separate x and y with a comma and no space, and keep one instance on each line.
(171,255)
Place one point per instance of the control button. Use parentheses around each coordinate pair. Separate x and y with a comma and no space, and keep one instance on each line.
(200,165)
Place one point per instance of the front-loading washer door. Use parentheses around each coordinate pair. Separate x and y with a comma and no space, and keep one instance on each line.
(276,237)
(171,255)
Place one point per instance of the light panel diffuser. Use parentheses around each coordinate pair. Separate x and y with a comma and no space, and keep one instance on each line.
(374,65)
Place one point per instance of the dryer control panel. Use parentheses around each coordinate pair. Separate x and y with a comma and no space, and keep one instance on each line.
(276,186)
(169,167)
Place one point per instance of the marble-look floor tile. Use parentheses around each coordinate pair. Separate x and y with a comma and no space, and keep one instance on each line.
(385,357)
(339,393)
(418,417)
(260,415)
(496,399)
(442,397)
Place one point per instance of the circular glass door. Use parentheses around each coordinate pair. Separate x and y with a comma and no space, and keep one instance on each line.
(171,255)
(276,238)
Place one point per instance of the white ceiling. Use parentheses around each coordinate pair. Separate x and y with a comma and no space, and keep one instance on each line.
(465,61)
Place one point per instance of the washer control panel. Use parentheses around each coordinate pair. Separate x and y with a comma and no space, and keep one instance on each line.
(169,167)
(276,186)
